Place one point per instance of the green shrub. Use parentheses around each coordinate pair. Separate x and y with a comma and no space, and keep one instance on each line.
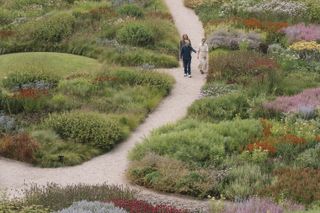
(87,127)
(161,174)
(160,81)
(36,75)
(244,181)
(79,87)
(50,29)
(141,57)
(131,10)
(57,197)
(52,147)
(198,143)
(309,158)
(17,207)
(6,16)
(61,102)
(221,108)
(136,34)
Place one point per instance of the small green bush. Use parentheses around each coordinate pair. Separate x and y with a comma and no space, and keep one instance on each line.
(141,57)
(160,81)
(79,87)
(221,108)
(199,143)
(52,147)
(50,29)
(160,173)
(87,128)
(18,78)
(17,207)
(244,181)
(309,158)
(131,10)
(136,34)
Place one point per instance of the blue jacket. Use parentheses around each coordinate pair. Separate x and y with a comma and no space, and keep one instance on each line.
(186,52)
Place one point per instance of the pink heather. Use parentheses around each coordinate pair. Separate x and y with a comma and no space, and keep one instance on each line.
(304,32)
(308,98)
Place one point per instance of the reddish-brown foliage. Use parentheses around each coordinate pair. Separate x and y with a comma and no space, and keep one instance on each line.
(293,139)
(267,126)
(6,33)
(30,93)
(19,147)
(102,79)
(263,63)
(301,185)
(264,145)
(253,23)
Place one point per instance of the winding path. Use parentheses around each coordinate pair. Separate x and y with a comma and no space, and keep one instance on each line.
(111,167)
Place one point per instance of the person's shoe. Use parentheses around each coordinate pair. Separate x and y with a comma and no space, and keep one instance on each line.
(189,76)
(185,75)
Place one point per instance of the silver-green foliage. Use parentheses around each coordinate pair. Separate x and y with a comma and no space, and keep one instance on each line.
(92,207)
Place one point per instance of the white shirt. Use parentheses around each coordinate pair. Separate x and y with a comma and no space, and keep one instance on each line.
(203,49)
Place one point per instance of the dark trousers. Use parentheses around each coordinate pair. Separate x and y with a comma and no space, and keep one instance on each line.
(187,66)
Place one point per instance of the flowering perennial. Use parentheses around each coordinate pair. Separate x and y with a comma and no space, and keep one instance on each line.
(302,32)
(288,104)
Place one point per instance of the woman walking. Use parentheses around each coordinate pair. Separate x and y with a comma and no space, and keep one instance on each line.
(185,55)
(203,56)
(185,38)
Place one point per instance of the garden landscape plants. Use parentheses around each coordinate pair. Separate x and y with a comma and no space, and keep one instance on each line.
(82,198)
(252,137)
(59,109)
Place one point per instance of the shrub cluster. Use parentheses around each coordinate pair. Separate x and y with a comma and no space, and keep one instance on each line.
(291,183)
(88,128)
(57,197)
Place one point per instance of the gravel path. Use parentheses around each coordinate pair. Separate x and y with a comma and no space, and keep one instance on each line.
(111,167)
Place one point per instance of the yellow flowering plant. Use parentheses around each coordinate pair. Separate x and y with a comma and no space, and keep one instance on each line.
(305,45)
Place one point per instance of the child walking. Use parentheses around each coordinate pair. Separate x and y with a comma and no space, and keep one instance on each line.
(185,54)
(203,56)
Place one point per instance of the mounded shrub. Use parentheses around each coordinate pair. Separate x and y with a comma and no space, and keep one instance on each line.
(36,78)
(300,185)
(136,34)
(160,173)
(199,143)
(86,127)
(140,58)
(244,181)
(131,10)
(222,108)
(136,77)
(50,29)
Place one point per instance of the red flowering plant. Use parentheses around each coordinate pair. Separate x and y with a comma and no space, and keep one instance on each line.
(139,206)
(268,26)
(275,144)
(31,93)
